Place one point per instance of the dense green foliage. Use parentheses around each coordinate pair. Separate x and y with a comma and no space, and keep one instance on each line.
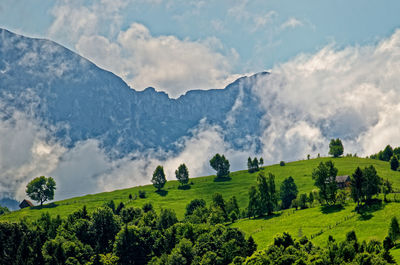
(253,165)
(263,198)
(221,165)
(336,148)
(133,237)
(288,192)
(159,179)
(182,174)
(41,189)
(325,179)
(394,163)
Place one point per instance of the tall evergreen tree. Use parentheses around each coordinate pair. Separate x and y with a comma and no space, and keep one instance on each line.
(356,186)
(394,163)
(386,154)
(250,165)
(255,164)
(252,208)
(372,183)
(394,229)
(288,192)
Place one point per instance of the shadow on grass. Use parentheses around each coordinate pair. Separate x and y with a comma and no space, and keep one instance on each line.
(184,187)
(162,192)
(46,206)
(366,210)
(327,209)
(267,217)
(222,179)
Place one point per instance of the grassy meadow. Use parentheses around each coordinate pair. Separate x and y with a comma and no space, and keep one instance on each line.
(318,222)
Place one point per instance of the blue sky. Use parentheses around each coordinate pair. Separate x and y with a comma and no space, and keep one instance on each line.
(210,43)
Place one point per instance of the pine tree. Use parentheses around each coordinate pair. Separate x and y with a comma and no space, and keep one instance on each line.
(394,163)
(356,186)
(394,229)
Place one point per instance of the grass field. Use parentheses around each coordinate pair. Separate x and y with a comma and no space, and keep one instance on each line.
(318,220)
(205,187)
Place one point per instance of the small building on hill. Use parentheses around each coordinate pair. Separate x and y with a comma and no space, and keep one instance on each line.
(25,203)
(343,181)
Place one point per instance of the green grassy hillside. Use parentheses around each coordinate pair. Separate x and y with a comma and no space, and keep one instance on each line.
(318,222)
(205,187)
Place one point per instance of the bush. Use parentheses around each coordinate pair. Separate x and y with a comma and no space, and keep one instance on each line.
(142,194)
(147,207)
(282,163)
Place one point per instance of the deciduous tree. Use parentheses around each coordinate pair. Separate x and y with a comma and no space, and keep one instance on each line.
(41,189)
(159,179)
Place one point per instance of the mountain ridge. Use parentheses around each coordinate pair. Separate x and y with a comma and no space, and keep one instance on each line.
(84,101)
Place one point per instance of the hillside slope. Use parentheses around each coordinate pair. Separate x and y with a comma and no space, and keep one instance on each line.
(317,223)
(205,187)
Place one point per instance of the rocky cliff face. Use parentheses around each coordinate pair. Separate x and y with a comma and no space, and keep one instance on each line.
(77,100)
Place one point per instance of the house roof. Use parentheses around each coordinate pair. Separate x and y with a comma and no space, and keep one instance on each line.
(342,178)
(26,202)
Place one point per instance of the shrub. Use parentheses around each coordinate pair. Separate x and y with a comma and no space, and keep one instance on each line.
(282,163)
(142,194)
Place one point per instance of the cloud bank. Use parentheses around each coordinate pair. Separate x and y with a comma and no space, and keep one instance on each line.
(165,62)
(351,93)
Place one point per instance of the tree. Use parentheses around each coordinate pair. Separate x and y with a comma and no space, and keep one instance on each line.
(356,186)
(288,192)
(255,164)
(303,201)
(267,193)
(394,229)
(182,174)
(159,179)
(386,188)
(253,202)
(249,165)
(394,163)
(386,154)
(336,147)
(325,179)
(372,183)
(261,161)
(221,165)
(41,189)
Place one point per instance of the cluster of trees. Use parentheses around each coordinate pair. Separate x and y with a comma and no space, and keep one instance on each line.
(159,179)
(218,163)
(254,164)
(389,155)
(263,198)
(127,235)
(286,250)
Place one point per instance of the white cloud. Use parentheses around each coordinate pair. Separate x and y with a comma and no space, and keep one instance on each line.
(142,60)
(165,62)
(351,93)
(292,23)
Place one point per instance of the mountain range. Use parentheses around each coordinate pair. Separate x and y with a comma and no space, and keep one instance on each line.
(76,101)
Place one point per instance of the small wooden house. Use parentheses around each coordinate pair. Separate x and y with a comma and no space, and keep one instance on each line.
(25,203)
(343,181)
